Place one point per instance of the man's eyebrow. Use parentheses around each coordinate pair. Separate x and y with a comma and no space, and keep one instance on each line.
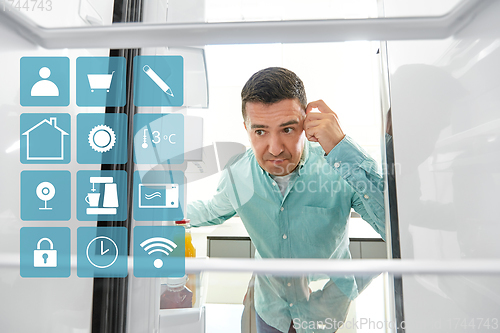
(258,126)
(288,123)
(291,122)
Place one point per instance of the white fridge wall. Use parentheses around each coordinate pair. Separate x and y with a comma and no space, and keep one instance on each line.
(51,305)
(44,305)
(445,99)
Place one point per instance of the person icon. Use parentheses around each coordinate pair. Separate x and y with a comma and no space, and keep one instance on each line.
(44,87)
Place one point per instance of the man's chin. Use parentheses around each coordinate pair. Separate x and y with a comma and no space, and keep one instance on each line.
(279,167)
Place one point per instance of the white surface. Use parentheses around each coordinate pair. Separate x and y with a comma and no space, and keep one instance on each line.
(224,318)
(304,266)
(183,320)
(300,31)
(298,267)
(97,211)
(234,11)
(227,288)
(56,305)
(445,111)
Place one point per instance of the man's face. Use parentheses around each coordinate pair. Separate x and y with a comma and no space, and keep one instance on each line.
(276,134)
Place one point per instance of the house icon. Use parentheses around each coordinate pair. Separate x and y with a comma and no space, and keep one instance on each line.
(45,141)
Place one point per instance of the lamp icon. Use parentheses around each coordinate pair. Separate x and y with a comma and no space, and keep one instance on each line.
(45,191)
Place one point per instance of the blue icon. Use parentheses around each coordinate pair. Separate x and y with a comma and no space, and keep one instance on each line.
(101,138)
(45,252)
(158,81)
(159,251)
(159,195)
(102,251)
(45,138)
(45,195)
(101,195)
(159,138)
(100,81)
(44,81)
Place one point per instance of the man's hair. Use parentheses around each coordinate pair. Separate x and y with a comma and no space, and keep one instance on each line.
(272,85)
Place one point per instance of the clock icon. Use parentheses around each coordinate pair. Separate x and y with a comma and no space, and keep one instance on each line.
(102,252)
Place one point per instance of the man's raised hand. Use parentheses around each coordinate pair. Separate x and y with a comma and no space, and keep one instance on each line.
(322,126)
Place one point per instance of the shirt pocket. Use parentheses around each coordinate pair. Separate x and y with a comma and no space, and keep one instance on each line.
(322,229)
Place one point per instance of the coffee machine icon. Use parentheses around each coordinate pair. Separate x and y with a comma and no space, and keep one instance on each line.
(110,197)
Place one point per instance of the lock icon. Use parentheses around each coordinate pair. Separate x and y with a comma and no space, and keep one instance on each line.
(45,258)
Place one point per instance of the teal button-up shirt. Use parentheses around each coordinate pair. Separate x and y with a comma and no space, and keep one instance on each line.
(309,221)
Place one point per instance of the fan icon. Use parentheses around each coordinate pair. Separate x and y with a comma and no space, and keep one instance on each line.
(102,138)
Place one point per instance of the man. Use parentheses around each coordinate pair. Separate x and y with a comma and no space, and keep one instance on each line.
(294,190)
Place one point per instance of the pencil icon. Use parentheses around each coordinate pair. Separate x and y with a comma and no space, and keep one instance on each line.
(156,79)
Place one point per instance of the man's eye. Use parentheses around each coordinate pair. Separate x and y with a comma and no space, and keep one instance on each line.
(288,129)
(259,132)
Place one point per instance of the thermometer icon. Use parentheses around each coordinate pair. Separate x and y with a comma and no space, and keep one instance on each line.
(156,138)
(156,79)
(144,137)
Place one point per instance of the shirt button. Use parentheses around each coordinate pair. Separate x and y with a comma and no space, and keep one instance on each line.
(274,184)
(289,284)
(366,196)
(284,237)
(291,304)
(337,164)
(282,208)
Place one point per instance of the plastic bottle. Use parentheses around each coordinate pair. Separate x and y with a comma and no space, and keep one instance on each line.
(177,295)
(190,253)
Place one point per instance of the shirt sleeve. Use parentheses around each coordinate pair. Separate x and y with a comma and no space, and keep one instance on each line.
(214,211)
(359,170)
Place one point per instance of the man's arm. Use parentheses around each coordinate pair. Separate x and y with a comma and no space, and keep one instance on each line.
(214,211)
(356,167)
(359,170)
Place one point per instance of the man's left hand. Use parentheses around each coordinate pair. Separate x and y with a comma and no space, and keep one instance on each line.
(322,127)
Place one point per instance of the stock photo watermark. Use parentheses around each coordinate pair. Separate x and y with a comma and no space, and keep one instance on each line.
(27,5)
(358,324)
(456,324)
(328,184)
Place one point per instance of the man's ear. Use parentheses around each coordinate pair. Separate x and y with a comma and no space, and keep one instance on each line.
(245,124)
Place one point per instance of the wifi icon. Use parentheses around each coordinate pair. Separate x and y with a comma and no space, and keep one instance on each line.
(159,251)
(158,244)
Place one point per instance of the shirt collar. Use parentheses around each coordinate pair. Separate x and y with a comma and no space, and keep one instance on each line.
(304,157)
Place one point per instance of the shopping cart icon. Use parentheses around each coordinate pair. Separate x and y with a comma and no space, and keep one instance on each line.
(100,81)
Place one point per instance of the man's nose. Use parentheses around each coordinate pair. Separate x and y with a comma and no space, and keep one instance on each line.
(275,145)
